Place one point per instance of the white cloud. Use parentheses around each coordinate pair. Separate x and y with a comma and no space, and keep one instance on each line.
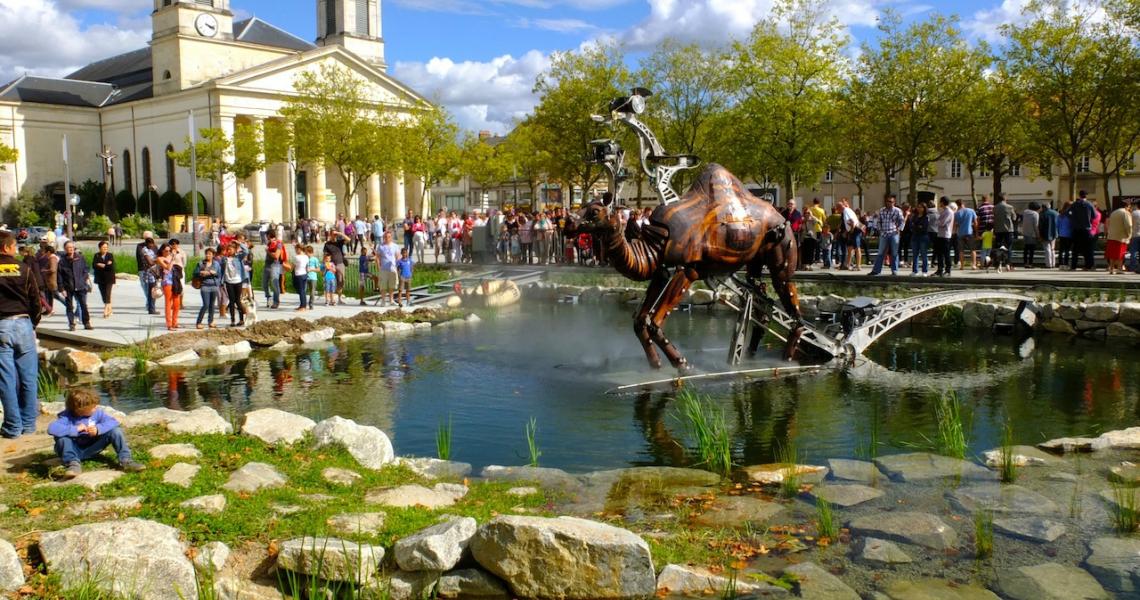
(117,6)
(487,95)
(39,38)
(557,25)
(477,7)
(986,24)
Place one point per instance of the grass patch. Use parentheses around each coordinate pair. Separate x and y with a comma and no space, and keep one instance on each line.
(533,452)
(788,454)
(1008,462)
(827,523)
(983,534)
(1123,514)
(48,386)
(706,425)
(443,440)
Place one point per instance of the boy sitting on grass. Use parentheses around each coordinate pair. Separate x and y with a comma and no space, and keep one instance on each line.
(83,430)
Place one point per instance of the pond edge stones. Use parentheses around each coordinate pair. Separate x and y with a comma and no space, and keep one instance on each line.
(271,426)
(565,557)
(918,528)
(254,476)
(368,445)
(437,548)
(11,569)
(332,559)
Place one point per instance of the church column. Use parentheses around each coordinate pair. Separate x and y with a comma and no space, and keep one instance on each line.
(316,192)
(258,178)
(416,195)
(226,201)
(395,201)
(373,196)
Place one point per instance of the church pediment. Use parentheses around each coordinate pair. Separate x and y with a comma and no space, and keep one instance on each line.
(278,77)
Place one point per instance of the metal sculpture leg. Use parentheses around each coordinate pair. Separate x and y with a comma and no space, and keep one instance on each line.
(670,298)
(782,264)
(643,320)
(741,331)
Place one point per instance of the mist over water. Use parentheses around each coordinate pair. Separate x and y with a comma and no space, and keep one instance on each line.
(556,362)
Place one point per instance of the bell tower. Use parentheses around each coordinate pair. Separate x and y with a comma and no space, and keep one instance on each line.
(185,40)
(353,24)
(209,19)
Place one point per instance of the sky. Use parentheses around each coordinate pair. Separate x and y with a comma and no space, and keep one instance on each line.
(479,58)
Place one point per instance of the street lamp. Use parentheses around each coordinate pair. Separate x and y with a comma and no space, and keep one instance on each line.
(72,202)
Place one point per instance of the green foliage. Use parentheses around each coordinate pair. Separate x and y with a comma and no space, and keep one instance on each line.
(90,194)
(983,534)
(532,443)
(125,203)
(443,440)
(430,151)
(134,225)
(28,210)
(150,203)
(169,203)
(952,440)
(96,227)
(706,425)
(188,205)
(1123,513)
(788,455)
(48,385)
(210,154)
(1008,464)
(8,155)
(827,524)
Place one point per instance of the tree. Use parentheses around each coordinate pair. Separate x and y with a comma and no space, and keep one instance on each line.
(248,150)
(1069,66)
(910,87)
(8,155)
(525,157)
(431,151)
(211,155)
(335,123)
(855,152)
(482,162)
(785,75)
(577,85)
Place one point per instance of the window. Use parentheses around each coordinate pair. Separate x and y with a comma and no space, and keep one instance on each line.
(1083,165)
(983,171)
(1014,170)
(128,180)
(828,176)
(166,75)
(362,17)
(169,168)
(205,2)
(330,18)
(955,168)
(146,168)
(1129,165)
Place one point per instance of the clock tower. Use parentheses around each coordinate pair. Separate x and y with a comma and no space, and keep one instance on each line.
(353,24)
(202,18)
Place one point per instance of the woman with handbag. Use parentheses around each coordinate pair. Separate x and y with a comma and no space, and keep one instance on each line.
(170,280)
(207,279)
(103,265)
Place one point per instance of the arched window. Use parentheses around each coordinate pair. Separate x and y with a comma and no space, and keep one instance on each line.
(128,180)
(146,180)
(169,168)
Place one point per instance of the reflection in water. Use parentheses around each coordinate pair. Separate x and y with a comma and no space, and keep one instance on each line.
(555,363)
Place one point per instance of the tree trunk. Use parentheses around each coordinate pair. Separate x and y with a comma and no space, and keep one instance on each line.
(789,187)
(996,175)
(1072,183)
(1106,179)
(912,181)
(973,196)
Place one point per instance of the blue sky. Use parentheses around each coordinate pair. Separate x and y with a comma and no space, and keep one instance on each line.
(478,57)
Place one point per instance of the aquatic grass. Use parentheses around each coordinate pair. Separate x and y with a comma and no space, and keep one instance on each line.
(706,425)
(827,524)
(1075,499)
(729,592)
(143,352)
(952,440)
(1124,516)
(47,382)
(788,454)
(443,440)
(983,534)
(532,443)
(1008,462)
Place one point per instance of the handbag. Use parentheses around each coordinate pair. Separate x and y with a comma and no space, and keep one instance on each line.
(196,282)
(156,292)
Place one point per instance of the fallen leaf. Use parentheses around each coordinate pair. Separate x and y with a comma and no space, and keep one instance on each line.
(35,512)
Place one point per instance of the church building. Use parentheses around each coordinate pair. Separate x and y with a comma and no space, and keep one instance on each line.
(200,61)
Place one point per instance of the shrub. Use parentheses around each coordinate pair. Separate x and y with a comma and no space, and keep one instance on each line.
(135,224)
(96,227)
(169,203)
(148,205)
(90,196)
(187,207)
(27,210)
(125,203)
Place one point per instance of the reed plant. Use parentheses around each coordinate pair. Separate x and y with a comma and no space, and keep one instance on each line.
(729,592)
(1008,462)
(983,534)
(788,455)
(532,442)
(142,352)
(47,383)
(1124,516)
(443,440)
(952,440)
(828,523)
(707,426)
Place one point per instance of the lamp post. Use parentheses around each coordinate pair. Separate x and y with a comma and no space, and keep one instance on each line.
(193,184)
(66,188)
(72,203)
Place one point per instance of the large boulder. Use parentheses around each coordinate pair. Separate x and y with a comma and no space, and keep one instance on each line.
(565,558)
(978,315)
(1102,311)
(1059,325)
(332,559)
(1049,581)
(434,468)
(471,583)
(910,527)
(405,496)
(254,476)
(11,569)
(78,361)
(201,420)
(271,426)
(437,548)
(1115,562)
(367,444)
(1129,313)
(1120,330)
(1122,439)
(130,558)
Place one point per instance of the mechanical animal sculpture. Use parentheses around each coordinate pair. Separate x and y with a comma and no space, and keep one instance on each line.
(714,230)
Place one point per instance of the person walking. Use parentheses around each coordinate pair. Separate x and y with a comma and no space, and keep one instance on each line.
(1119,234)
(1047,234)
(313,270)
(73,277)
(890,219)
(208,275)
(300,264)
(409,224)
(48,262)
(1082,216)
(919,225)
(170,278)
(271,273)
(233,276)
(334,248)
(1134,243)
(853,238)
(945,225)
(20,309)
(103,266)
(145,253)
(1030,234)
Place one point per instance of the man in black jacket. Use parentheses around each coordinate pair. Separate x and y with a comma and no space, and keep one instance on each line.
(72,275)
(1081,215)
(19,361)
(145,252)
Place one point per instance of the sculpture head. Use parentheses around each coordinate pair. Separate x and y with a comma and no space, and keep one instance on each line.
(594,217)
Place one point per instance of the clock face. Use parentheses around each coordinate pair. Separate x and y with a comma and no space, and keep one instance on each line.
(206,25)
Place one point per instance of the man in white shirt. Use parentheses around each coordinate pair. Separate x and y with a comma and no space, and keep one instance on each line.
(942,241)
(853,233)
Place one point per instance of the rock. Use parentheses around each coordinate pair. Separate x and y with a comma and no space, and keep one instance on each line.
(91,480)
(1129,313)
(369,523)
(213,504)
(1115,562)
(910,527)
(410,495)
(340,476)
(1065,477)
(434,468)
(164,451)
(230,351)
(233,588)
(201,420)
(1049,581)
(318,335)
(282,346)
(285,509)
(545,476)
(397,328)
(78,361)
(367,444)
(1073,444)
(1029,319)
(181,474)
(1023,456)
(11,568)
(854,470)
(458,490)
(123,367)
(437,548)
(1091,327)
(1034,529)
(1001,499)
(471,583)
(186,357)
(875,550)
(1102,311)
(845,495)
(132,557)
(1114,496)
(1120,330)
(95,507)
(566,557)
(211,557)
(272,426)
(920,466)
(815,583)
(405,585)
(1128,474)
(1070,312)
(978,315)
(936,589)
(1123,439)
(687,581)
(332,559)
(316,498)
(522,492)
(776,473)
(737,511)
(831,303)
(254,476)
(1059,325)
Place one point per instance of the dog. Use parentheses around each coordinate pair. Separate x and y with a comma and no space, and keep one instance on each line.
(249,304)
(998,258)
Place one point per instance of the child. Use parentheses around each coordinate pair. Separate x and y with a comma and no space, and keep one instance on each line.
(83,430)
(330,280)
(825,239)
(365,258)
(314,270)
(987,245)
(404,269)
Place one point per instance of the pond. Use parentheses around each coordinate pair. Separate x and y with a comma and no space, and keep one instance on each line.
(557,364)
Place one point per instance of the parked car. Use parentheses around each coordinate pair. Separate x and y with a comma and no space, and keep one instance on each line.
(35,234)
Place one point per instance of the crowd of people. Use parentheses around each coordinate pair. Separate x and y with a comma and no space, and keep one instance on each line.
(944,236)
